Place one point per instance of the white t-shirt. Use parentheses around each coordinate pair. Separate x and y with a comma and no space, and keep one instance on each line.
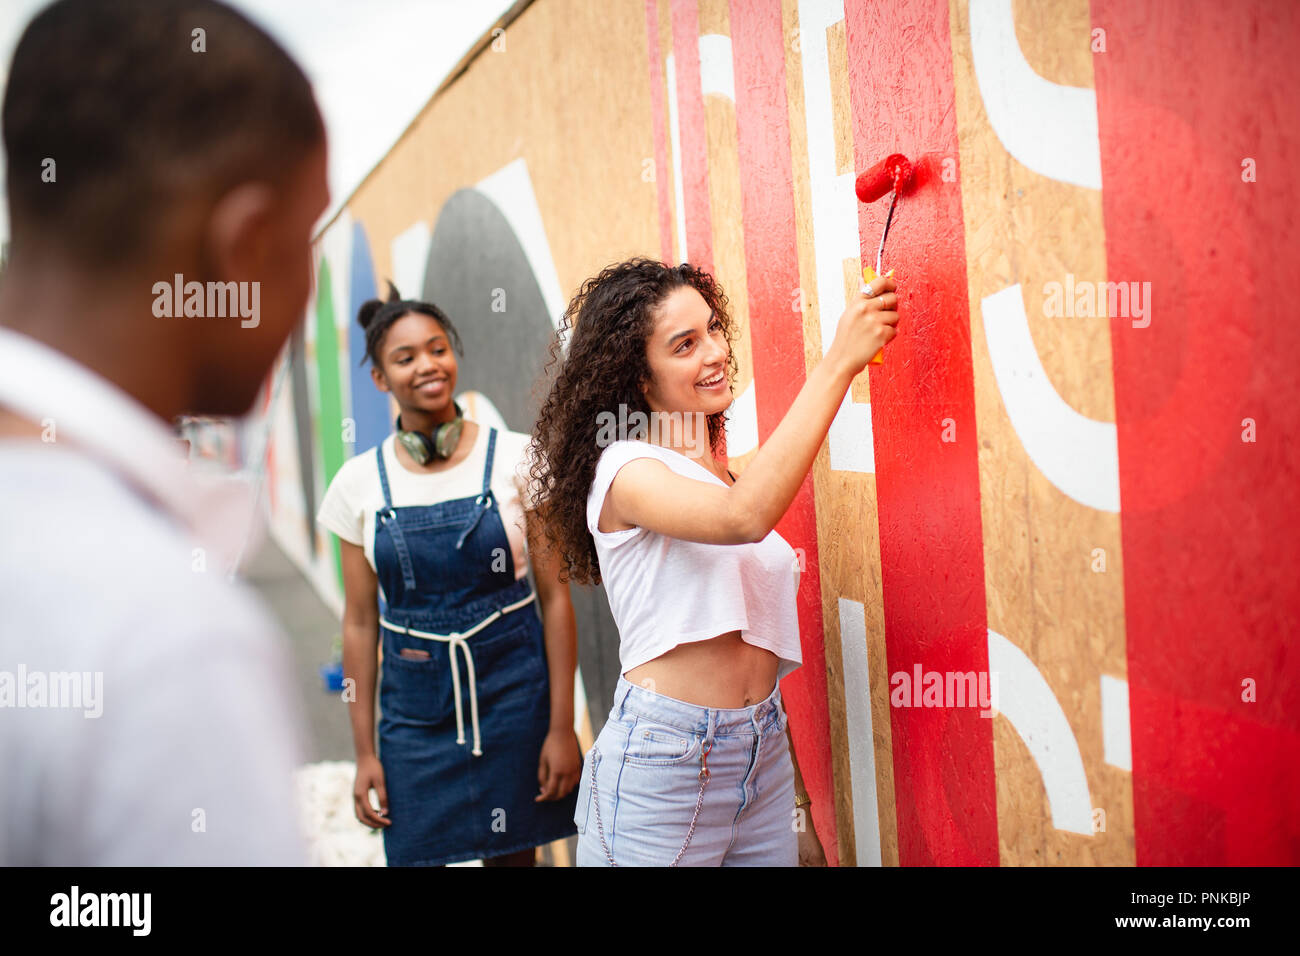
(185,728)
(349,506)
(178,722)
(666,591)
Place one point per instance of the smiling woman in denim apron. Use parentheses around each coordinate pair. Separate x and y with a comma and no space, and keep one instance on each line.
(695,764)
(477,754)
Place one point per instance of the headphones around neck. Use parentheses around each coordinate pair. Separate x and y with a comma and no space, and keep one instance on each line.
(424,449)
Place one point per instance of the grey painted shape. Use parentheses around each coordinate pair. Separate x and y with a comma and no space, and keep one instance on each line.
(597,649)
(475,263)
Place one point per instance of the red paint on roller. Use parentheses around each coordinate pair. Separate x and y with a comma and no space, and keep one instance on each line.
(891,173)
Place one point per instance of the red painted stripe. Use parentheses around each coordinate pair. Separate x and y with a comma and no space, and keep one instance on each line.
(931,543)
(776,336)
(694,141)
(1209,522)
(659,121)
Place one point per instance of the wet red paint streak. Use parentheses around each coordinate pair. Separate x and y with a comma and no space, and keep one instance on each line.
(776,335)
(663,177)
(931,543)
(694,142)
(1209,523)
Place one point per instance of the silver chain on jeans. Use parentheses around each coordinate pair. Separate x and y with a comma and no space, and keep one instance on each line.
(699,802)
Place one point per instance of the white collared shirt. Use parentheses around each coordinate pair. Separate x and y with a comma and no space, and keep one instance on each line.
(114,599)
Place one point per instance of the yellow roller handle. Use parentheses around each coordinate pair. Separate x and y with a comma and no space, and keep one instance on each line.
(868,276)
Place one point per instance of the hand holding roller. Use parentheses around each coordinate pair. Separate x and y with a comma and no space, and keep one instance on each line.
(866,325)
(890,175)
(868,277)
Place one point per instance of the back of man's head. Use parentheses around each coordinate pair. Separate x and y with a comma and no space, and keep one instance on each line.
(150,140)
(114,108)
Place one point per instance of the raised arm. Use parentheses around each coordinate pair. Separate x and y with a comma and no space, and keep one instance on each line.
(648,494)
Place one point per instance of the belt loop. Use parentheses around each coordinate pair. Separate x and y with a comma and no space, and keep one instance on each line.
(620,699)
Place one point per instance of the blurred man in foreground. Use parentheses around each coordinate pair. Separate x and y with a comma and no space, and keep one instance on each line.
(166,164)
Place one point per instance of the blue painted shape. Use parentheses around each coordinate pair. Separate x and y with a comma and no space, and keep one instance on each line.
(369,404)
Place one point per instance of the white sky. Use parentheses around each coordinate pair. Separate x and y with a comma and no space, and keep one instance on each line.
(374,64)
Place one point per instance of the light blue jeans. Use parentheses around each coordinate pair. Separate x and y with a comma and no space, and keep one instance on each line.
(641,785)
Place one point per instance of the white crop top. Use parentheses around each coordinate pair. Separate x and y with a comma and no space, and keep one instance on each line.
(666,591)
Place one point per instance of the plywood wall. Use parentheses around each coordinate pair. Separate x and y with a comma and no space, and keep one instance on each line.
(1069,480)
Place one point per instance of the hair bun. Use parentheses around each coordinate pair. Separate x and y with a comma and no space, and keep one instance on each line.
(366,314)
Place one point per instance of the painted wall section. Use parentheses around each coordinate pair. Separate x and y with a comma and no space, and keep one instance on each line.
(1086,501)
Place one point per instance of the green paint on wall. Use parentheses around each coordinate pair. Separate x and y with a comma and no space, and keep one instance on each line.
(330,423)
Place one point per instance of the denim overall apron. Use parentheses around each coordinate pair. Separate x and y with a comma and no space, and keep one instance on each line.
(448,588)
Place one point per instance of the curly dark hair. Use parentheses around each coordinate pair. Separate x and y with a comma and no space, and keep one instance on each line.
(604,365)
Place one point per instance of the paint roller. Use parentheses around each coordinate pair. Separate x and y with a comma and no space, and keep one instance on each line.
(889,175)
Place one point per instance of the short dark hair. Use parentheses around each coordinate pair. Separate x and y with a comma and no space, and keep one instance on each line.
(133,116)
(376,316)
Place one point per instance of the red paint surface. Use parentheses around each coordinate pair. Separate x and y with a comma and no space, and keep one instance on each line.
(1209,523)
(776,336)
(931,544)
(694,141)
(663,176)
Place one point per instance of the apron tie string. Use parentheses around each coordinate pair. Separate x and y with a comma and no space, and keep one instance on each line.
(454,640)
(458,640)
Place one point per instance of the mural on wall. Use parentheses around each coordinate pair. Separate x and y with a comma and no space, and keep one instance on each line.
(1048,546)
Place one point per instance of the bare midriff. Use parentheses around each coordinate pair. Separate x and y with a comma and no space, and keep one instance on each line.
(722,671)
